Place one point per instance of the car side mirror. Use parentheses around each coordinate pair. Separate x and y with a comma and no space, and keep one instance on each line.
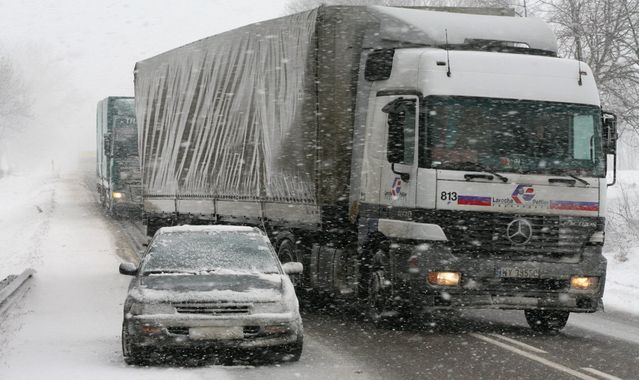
(128,269)
(293,268)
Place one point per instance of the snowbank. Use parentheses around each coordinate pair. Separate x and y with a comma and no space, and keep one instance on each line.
(622,243)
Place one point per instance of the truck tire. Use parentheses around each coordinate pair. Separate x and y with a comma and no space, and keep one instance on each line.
(151,229)
(546,321)
(286,253)
(378,301)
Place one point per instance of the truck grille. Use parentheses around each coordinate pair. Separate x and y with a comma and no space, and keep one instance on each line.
(212,309)
(486,234)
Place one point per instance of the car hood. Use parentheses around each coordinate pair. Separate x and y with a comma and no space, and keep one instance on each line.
(209,288)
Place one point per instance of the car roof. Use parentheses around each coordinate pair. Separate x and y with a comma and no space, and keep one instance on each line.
(215,228)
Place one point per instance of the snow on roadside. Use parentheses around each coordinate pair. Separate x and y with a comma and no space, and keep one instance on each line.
(26,204)
(622,244)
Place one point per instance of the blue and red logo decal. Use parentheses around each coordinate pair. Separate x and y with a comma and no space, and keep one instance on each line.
(396,188)
(523,194)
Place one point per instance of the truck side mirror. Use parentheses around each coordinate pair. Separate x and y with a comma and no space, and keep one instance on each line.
(107,145)
(609,137)
(609,124)
(379,64)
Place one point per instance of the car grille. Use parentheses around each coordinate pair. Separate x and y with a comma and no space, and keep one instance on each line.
(178,330)
(212,309)
(486,234)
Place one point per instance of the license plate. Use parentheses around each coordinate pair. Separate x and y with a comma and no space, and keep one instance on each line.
(215,333)
(518,272)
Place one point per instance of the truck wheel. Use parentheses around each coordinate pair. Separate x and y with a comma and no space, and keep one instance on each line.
(546,320)
(378,298)
(286,254)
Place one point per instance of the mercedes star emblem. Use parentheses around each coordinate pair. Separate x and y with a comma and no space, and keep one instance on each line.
(519,231)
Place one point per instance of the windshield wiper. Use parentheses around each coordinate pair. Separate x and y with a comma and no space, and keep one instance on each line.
(167,271)
(474,165)
(563,172)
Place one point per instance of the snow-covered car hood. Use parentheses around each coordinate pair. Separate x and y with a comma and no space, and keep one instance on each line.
(209,288)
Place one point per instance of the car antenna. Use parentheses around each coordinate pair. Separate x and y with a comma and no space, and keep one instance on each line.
(448,73)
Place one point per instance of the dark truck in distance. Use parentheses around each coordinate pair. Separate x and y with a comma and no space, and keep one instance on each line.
(414,160)
(118,166)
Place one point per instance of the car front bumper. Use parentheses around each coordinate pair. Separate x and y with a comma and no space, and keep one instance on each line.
(169,331)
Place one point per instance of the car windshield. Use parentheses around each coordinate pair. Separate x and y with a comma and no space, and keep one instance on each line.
(513,136)
(199,251)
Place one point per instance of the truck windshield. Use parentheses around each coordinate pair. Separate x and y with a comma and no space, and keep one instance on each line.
(124,129)
(509,135)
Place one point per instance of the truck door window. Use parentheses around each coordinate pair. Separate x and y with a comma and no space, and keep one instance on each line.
(583,131)
(400,147)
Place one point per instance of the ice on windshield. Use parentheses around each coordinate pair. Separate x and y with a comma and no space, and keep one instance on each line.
(201,252)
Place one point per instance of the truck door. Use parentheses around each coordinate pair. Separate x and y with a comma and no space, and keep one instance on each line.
(398,179)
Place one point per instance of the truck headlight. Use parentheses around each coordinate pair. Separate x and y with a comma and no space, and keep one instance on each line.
(583,282)
(117,195)
(597,237)
(444,278)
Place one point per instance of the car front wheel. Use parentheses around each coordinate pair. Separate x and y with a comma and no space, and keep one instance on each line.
(132,355)
(293,352)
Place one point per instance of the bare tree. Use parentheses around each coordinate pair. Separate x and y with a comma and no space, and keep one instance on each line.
(14,107)
(14,101)
(604,34)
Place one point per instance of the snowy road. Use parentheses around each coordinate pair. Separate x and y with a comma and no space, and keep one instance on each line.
(69,323)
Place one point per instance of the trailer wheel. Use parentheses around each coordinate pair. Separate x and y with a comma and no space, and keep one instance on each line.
(546,321)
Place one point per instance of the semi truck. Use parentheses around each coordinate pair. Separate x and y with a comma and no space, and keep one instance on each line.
(119,182)
(412,160)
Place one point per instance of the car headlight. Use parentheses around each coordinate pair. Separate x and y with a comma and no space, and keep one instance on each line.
(117,195)
(138,308)
(269,307)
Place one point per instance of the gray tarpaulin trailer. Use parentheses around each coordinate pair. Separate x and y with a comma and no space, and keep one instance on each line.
(323,129)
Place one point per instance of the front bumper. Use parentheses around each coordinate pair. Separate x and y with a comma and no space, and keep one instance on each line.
(481,287)
(171,332)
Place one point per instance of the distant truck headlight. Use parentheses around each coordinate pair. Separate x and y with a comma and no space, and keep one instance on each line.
(444,278)
(117,195)
(583,282)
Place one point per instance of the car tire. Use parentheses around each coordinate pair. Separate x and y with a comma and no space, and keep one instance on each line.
(546,321)
(293,352)
(132,355)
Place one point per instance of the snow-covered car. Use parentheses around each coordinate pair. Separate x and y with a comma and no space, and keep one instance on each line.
(211,288)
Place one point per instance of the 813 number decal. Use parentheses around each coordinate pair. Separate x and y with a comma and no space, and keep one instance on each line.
(448,196)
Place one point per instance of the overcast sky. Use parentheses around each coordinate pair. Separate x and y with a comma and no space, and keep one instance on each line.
(74,53)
